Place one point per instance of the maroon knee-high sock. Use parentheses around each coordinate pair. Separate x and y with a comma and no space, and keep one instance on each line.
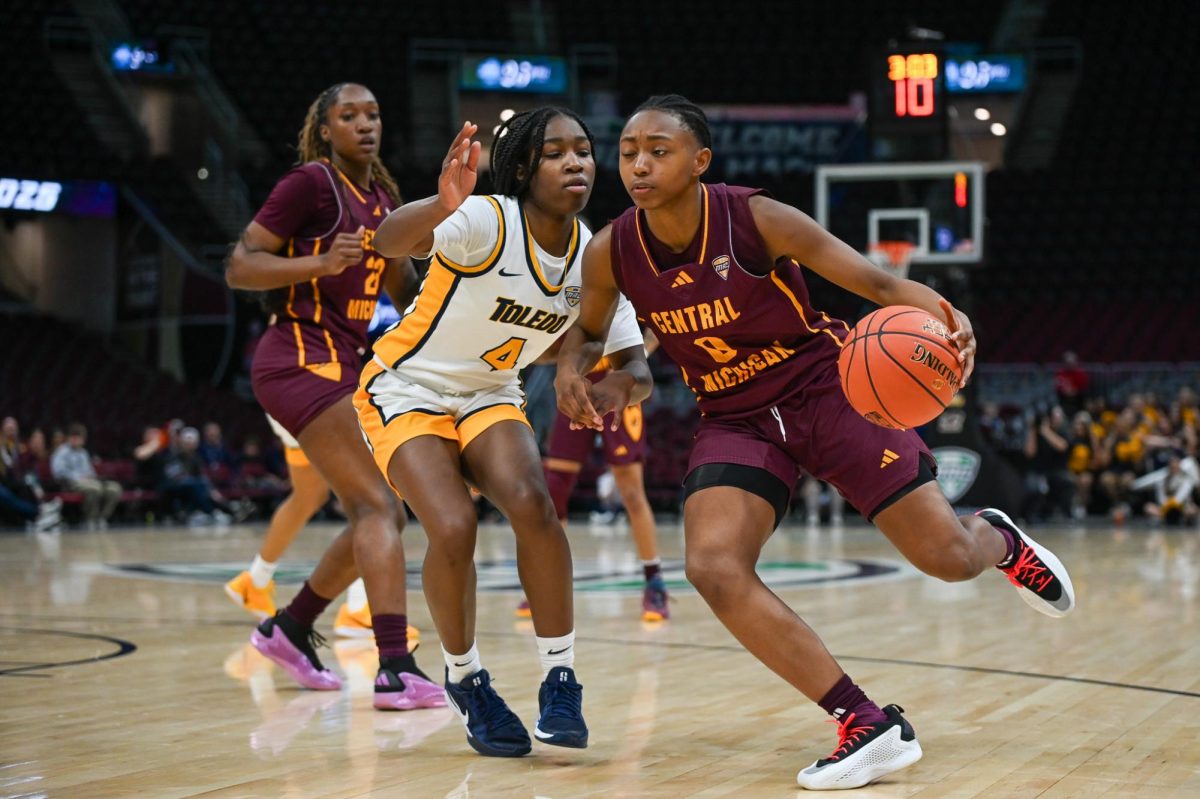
(391,634)
(845,698)
(306,606)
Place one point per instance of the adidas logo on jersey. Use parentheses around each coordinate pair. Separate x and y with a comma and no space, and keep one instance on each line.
(683,279)
(888,457)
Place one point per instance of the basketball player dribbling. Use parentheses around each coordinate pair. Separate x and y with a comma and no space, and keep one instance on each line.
(310,246)
(442,399)
(763,365)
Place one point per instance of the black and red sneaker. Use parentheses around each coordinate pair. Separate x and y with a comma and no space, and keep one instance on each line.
(865,752)
(1041,578)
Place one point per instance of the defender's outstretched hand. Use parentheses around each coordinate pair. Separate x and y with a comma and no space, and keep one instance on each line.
(459,168)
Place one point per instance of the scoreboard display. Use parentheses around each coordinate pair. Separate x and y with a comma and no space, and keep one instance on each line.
(907,104)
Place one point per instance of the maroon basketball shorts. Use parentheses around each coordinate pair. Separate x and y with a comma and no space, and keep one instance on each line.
(294,395)
(816,431)
(626,444)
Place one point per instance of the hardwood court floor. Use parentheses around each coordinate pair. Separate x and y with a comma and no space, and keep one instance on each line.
(125,672)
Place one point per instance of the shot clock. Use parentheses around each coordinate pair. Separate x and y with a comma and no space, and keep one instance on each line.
(907,105)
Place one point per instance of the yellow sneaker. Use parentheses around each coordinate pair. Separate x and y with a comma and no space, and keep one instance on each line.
(243,593)
(357,624)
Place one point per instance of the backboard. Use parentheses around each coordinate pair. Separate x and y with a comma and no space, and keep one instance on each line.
(938,206)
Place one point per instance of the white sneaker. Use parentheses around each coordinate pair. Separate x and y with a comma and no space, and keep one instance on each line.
(1037,573)
(49,515)
(864,753)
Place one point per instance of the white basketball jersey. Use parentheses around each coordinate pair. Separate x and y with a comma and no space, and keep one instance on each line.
(474,327)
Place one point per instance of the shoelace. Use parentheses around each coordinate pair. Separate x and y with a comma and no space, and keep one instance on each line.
(309,647)
(1028,571)
(489,707)
(565,700)
(847,736)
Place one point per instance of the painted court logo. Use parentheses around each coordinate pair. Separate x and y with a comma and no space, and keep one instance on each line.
(592,576)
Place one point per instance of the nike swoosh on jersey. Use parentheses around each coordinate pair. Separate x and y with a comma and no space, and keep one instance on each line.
(509,274)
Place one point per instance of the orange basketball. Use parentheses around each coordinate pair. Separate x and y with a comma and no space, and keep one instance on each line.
(900,368)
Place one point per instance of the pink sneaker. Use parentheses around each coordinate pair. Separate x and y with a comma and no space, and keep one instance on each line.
(297,658)
(406,691)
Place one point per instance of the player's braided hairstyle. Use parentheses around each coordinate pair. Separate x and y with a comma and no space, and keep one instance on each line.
(683,109)
(518,142)
(312,148)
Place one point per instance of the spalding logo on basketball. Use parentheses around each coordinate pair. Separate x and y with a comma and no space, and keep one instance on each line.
(899,367)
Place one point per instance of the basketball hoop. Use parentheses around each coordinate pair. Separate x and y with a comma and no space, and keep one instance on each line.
(893,255)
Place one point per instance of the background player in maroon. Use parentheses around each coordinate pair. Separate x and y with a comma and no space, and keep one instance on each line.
(309,246)
(762,363)
(625,453)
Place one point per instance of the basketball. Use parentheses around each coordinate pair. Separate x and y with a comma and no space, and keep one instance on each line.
(899,367)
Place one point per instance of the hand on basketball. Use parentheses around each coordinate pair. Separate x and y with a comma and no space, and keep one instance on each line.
(345,252)
(459,168)
(963,335)
(575,402)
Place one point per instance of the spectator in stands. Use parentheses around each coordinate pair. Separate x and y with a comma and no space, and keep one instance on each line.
(72,467)
(1048,482)
(149,457)
(1185,411)
(212,449)
(10,441)
(991,425)
(1125,456)
(1071,383)
(1174,487)
(1082,460)
(57,438)
(220,464)
(21,497)
(35,458)
(258,471)
(177,472)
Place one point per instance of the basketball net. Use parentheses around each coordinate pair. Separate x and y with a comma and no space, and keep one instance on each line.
(893,255)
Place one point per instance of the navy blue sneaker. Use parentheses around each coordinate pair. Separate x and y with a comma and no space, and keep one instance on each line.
(492,729)
(560,701)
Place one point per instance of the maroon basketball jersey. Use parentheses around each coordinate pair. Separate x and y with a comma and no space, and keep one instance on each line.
(327,318)
(741,328)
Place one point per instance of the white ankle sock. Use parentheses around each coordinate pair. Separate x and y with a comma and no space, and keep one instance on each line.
(555,652)
(356,595)
(460,667)
(261,571)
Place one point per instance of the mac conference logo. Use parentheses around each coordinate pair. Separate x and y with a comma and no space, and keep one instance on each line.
(573,293)
(957,470)
(591,575)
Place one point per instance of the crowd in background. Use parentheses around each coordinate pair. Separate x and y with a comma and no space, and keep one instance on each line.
(1085,456)
(1080,456)
(176,473)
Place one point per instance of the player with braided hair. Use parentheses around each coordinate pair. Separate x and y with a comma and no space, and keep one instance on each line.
(311,246)
(716,271)
(442,399)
